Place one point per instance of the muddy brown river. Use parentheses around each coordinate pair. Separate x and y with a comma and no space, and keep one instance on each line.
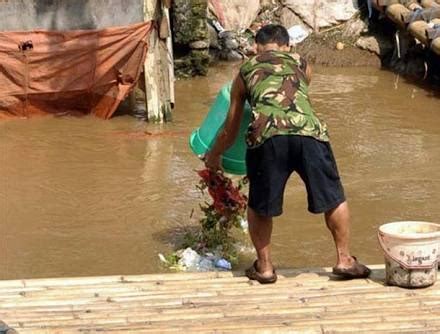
(90,197)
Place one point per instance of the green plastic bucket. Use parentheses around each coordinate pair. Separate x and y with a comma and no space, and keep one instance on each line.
(203,138)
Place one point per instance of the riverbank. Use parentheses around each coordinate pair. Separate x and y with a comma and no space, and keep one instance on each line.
(336,50)
(329,33)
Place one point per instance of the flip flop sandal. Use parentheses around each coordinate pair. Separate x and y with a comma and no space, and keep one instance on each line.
(253,274)
(357,270)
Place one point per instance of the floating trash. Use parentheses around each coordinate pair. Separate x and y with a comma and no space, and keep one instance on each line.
(223,264)
(212,246)
(189,260)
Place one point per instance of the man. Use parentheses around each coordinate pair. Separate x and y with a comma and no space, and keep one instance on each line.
(284,136)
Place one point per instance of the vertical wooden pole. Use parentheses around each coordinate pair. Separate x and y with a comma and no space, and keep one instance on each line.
(159,67)
(151,89)
(172,78)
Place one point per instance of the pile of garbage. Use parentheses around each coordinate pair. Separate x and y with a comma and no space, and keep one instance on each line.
(212,245)
(189,260)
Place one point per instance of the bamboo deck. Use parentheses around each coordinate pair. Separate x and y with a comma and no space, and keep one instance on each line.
(302,301)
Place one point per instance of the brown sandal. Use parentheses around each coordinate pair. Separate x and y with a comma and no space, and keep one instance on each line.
(357,270)
(253,274)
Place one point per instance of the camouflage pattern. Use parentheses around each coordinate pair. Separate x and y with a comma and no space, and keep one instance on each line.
(278,94)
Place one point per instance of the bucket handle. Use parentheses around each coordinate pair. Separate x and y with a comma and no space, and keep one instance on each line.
(384,249)
(380,236)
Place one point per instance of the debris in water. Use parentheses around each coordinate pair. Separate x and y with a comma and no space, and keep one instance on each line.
(223,264)
(162,258)
(340,46)
(244,224)
(212,247)
(190,260)
(227,198)
(147,134)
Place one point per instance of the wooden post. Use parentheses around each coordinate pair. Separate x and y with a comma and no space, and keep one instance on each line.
(158,80)
(170,57)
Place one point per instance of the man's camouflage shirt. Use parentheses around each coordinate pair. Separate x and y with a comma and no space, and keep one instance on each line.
(277,91)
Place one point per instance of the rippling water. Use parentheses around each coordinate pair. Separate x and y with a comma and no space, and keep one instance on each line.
(91,197)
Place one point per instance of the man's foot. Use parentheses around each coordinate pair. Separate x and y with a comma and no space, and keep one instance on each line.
(355,270)
(263,278)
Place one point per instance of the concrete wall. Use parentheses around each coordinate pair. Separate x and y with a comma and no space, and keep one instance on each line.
(68,14)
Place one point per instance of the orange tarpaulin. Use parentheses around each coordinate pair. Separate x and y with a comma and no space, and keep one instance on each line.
(69,73)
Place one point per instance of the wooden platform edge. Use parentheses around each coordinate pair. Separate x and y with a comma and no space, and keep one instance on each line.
(88,280)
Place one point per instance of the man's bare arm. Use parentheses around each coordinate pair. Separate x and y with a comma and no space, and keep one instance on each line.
(231,128)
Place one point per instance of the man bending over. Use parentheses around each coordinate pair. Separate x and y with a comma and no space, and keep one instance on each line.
(284,136)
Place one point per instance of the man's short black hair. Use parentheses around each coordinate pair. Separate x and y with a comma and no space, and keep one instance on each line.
(272,33)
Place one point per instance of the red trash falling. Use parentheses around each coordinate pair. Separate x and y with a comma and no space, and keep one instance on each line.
(227,198)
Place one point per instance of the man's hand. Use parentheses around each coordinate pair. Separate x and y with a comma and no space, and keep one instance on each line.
(213,161)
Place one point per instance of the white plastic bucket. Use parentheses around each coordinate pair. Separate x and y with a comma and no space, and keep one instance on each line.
(411,251)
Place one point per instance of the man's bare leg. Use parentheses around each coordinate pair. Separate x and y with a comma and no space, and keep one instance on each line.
(260,230)
(338,222)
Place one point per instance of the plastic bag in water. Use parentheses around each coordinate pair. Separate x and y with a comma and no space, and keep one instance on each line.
(205,265)
(190,259)
(223,264)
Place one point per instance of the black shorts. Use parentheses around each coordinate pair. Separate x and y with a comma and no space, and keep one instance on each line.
(270,165)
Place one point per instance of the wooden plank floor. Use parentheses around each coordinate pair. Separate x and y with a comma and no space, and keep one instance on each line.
(302,301)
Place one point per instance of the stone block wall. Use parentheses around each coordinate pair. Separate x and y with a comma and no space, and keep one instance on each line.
(191,37)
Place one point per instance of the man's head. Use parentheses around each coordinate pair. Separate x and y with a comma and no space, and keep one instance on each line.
(272,37)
